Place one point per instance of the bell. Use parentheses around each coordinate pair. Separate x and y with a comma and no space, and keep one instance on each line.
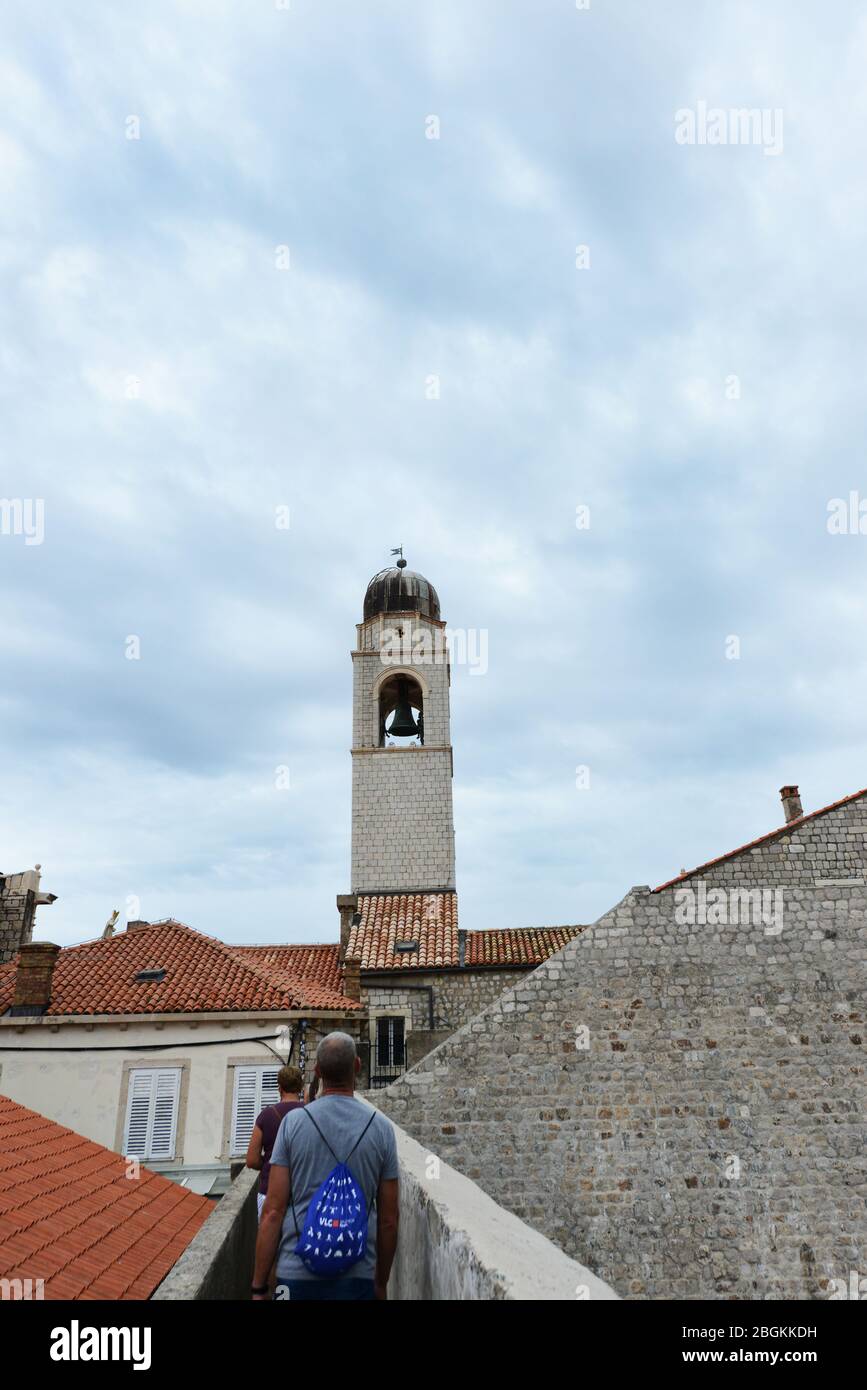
(402,725)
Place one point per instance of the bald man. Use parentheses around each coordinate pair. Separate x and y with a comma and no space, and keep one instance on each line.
(304,1153)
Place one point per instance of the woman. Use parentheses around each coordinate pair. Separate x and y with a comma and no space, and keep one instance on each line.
(290,1084)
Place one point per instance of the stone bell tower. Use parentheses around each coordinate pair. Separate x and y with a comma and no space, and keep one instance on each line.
(403,835)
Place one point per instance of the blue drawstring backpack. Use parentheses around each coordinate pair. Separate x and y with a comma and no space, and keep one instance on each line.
(335,1227)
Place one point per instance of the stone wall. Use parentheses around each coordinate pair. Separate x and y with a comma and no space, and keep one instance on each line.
(458,995)
(17,906)
(455,1243)
(217,1265)
(680,1104)
(403,837)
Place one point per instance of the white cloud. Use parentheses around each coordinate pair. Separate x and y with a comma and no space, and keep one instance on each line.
(153,261)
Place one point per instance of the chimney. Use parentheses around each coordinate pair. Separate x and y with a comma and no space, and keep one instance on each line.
(791,803)
(347,906)
(137,924)
(20,895)
(352,978)
(33,978)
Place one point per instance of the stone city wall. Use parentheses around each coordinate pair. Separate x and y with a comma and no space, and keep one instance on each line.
(689,1121)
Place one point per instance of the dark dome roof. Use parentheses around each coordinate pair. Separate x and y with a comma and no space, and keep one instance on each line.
(400,591)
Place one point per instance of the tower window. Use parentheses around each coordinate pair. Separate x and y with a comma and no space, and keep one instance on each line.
(401,713)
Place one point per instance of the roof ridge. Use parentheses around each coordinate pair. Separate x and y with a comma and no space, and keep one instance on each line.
(284,945)
(763,839)
(566,926)
(127,935)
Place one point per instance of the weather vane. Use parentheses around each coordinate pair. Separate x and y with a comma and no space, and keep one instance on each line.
(398,550)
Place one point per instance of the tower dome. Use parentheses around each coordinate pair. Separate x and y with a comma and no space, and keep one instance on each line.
(400,590)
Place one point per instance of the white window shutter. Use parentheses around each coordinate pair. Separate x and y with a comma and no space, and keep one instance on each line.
(152,1113)
(269,1093)
(255,1088)
(244,1108)
(135,1139)
(165,1114)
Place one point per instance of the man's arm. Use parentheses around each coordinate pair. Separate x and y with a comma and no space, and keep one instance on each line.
(271,1225)
(387,1221)
(254,1149)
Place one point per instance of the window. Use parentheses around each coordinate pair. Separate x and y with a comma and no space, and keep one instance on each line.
(255,1087)
(389,1041)
(401,713)
(152,1113)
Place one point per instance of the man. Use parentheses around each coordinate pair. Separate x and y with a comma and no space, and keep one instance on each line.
(290,1084)
(301,1160)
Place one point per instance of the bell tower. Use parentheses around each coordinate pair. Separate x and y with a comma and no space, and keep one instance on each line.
(403,835)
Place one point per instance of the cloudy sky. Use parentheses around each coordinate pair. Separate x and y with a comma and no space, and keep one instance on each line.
(244,309)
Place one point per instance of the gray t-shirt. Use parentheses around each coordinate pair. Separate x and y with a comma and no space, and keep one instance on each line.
(299,1148)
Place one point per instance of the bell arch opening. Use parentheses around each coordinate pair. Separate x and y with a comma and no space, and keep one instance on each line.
(401,712)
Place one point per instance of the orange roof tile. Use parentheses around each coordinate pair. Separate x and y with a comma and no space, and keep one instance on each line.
(320,963)
(203,975)
(763,839)
(70,1215)
(431,919)
(518,946)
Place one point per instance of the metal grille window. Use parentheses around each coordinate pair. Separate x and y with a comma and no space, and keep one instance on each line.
(255,1087)
(390,1041)
(152,1113)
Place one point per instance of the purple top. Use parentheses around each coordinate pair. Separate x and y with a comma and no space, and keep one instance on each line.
(269,1122)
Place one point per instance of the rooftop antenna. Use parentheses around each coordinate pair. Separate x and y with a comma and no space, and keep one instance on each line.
(398,550)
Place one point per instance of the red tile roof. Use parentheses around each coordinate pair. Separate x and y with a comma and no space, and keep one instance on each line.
(320,964)
(763,839)
(519,946)
(203,975)
(70,1215)
(431,919)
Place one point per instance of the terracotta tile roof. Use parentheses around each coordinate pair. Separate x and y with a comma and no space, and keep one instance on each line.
(203,975)
(431,919)
(763,839)
(70,1215)
(320,963)
(519,946)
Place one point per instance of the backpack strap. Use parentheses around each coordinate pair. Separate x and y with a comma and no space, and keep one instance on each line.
(321,1135)
(372,1202)
(328,1146)
(360,1137)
